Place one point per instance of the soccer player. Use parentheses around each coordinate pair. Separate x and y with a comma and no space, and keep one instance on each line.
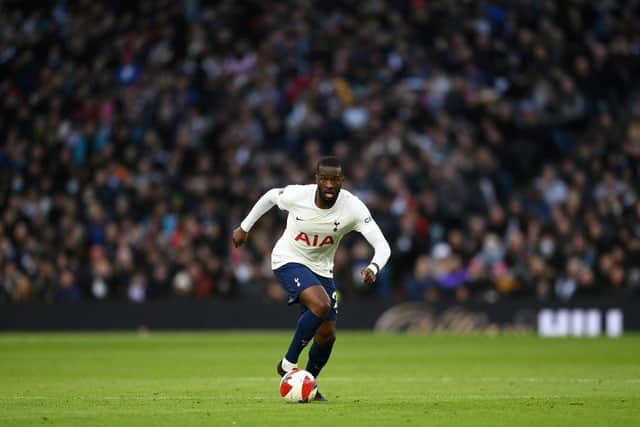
(320,215)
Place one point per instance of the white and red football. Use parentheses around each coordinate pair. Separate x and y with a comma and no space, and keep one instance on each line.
(298,386)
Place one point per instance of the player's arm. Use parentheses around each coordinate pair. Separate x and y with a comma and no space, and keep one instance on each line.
(382,252)
(365,225)
(262,206)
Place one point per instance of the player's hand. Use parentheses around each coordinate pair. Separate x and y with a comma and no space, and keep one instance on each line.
(238,237)
(368,276)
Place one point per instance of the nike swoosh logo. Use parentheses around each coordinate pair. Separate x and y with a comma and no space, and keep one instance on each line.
(299,219)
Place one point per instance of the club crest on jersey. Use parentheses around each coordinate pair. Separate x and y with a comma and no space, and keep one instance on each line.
(314,240)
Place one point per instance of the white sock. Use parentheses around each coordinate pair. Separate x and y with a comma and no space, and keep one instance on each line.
(287,366)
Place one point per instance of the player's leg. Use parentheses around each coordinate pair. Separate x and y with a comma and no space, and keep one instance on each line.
(318,306)
(320,350)
(316,300)
(304,287)
(325,336)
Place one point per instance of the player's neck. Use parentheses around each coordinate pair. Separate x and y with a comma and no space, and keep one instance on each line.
(322,204)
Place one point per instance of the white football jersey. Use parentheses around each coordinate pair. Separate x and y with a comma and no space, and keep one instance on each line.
(312,234)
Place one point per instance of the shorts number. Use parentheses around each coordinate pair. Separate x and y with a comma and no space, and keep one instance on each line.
(334,297)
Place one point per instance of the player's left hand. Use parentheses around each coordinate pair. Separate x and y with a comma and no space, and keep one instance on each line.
(368,276)
(238,237)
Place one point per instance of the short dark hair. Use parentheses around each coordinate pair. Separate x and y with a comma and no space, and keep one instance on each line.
(331,161)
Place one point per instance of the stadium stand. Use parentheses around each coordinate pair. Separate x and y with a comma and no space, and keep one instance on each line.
(497,143)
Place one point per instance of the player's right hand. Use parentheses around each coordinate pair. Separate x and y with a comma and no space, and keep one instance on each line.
(238,237)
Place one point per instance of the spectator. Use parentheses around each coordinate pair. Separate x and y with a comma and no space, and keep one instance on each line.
(132,135)
(422,285)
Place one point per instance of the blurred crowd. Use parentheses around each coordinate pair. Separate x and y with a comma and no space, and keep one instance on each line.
(496,142)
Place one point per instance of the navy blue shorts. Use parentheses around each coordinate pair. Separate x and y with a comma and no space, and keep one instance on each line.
(295,278)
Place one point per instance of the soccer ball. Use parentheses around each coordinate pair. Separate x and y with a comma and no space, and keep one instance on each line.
(298,386)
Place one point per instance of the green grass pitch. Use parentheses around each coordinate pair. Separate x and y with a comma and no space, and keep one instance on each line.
(228,379)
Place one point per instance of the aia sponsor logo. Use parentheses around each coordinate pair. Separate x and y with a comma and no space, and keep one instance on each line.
(314,240)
